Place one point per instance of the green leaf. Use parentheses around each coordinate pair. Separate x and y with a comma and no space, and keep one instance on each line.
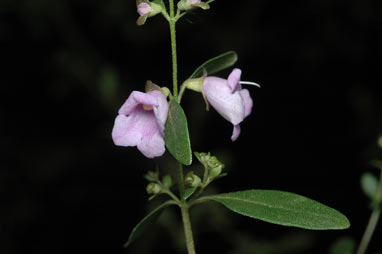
(216,64)
(176,134)
(283,208)
(145,223)
(188,192)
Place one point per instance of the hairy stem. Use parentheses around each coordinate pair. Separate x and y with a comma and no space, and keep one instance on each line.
(373,221)
(181,181)
(187,229)
(184,206)
(172,22)
(185,215)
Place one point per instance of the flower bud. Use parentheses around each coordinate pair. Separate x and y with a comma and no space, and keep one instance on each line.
(185,5)
(147,9)
(167,181)
(215,167)
(214,172)
(151,176)
(213,162)
(153,188)
(192,180)
(202,157)
(210,163)
(143,9)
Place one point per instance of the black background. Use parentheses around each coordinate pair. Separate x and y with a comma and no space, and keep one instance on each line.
(69,65)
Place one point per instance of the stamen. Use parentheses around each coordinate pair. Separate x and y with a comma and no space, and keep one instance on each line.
(249,83)
(147,107)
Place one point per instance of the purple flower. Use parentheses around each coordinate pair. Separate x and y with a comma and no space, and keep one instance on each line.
(229,99)
(143,9)
(146,9)
(140,122)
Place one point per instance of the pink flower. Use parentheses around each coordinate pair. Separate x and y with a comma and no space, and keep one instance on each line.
(146,9)
(143,9)
(229,99)
(140,122)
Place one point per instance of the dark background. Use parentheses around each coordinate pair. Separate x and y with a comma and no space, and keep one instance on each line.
(68,65)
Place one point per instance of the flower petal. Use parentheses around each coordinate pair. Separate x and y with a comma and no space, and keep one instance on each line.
(134,100)
(143,8)
(234,79)
(130,130)
(161,109)
(145,98)
(229,105)
(248,103)
(128,106)
(126,131)
(141,123)
(236,132)
(152,143)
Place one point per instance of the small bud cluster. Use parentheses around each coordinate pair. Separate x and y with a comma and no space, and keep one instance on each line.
(212,170)
(153,188)
(147,9)
(212,166)
(192,180)
(157,186)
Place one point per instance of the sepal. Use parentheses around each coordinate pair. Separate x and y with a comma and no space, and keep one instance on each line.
(186,5)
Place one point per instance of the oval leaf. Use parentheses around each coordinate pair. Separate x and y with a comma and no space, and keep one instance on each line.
(176,134)
(283,208)
(216,64)
(145,223)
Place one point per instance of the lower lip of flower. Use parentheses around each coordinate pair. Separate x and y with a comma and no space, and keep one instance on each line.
(147,107)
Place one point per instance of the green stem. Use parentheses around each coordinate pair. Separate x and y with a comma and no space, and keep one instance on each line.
(185,215)
(172,22)
(181,181)
(373,221)
(187,229)
(206,182)
(182,90)
(184,206)
(173,196)
(198,201)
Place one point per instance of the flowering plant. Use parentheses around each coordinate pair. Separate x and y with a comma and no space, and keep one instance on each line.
(154,121)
